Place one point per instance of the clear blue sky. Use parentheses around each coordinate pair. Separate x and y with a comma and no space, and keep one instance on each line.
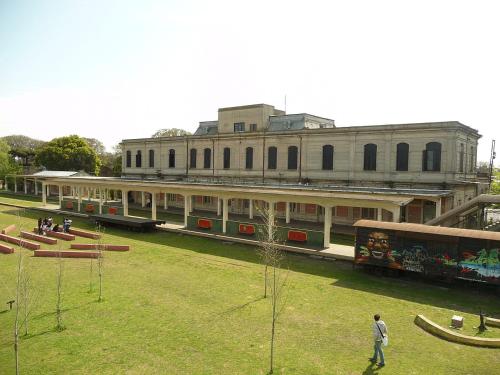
(123,69)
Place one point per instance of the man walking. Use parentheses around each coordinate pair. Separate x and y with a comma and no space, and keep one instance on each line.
(379,332)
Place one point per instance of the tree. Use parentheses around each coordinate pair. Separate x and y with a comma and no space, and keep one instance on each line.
(59,285)
(172,132)
(70,153)
(7,163)
(23,147)
(96,145)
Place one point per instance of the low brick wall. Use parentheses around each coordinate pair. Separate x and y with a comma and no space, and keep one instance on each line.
(9,229)
(92,246)
(20,242)
(83,233)
(449,335)
(492,322)
(4,249)
(60,235)
(38,237)
(66,254)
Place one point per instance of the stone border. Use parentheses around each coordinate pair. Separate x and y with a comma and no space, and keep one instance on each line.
(492,322)
(449,335)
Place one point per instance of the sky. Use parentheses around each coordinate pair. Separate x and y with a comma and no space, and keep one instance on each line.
(114,70)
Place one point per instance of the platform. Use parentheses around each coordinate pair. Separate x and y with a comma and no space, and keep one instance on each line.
(129,222)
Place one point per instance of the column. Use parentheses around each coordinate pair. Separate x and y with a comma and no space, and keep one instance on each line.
(328,225)
(396,214)
(287,212)
(250,208)
(80,193)
(186,209)
(5,182)
(125,202)
(106,195)
(165,201)
(47,190)
(100,201)
(153,206)
(191,203)
(60,195)
(379,214)
(438,207)
(44,194)
(270,227)
(143,199)
(25,186)
(15,184)
(219,208)
(224,214)
(36,187)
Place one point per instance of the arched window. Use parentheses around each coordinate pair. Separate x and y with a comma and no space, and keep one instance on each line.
(431,159)
(249,158)
(192,158)
(402,151)
(138,159)
(207,158)
(370,157)
(272,157)
(227,158)
(462,158)
(328,158)
(129,159)
(171,158)
(151,158)
(292,157)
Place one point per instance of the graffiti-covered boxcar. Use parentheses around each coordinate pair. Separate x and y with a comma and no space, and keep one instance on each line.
(432,251)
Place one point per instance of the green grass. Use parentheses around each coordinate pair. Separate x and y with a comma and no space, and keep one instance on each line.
(21,200)
(185,305)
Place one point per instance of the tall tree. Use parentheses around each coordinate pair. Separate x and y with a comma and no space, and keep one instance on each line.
(70,153)
(172,132)
(23,147)
(7,164)
(96,145)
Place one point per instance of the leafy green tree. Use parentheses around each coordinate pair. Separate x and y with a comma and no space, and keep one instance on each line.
(23,147)
(96,145)
(172,132)
(70,153)
(7,163)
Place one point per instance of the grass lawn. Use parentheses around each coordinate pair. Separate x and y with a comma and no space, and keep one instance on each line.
(23,200)
(185,305)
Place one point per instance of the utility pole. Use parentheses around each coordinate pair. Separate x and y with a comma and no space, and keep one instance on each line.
(492,159)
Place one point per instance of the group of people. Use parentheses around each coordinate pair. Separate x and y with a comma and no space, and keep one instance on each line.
(47,224)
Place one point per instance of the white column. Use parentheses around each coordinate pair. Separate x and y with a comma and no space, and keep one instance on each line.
(186,209)
(219,204)
(60,194)
(287,212)
(143,199)
(44,194)
(100,201)
(379,214)
(395,214)
(224,214)
(125,202)
(5,182)
(250,208)
(106,195)
(327,227)
(438,207)
(47,190)
(15,184)
(36,187)
(80,193)
(165,201)
(153,206)
(25,186)
(271,219)
(191,203)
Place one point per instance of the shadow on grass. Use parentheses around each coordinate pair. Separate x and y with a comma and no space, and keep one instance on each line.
(43,333)
(371,369)
(461,296)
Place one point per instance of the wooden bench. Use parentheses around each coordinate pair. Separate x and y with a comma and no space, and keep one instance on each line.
(297,236)
(60,235)
(9,229)
(20,242)
(66,254)
(6,249)
(38,237)
(94,246)
(81,233)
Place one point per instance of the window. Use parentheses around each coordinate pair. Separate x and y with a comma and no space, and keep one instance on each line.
(249,158)
(327,157)
(431,158)
(462,158)
(239,127)
(370,157)
(171,158)
(192,158)
(207,158)
(227,158)
(292,157)
(253,127)
(151,158)
(472,164)
(272,157)
(402,151)
(129,159)
(138,159)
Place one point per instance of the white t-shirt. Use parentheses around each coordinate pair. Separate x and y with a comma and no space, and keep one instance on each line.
(376,332)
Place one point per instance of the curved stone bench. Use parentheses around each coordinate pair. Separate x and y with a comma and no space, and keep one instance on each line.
(449,335)
(38,237)
(492,322)
(9,229)
(66,254)
(20,242)
(6,249)
(93,246)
